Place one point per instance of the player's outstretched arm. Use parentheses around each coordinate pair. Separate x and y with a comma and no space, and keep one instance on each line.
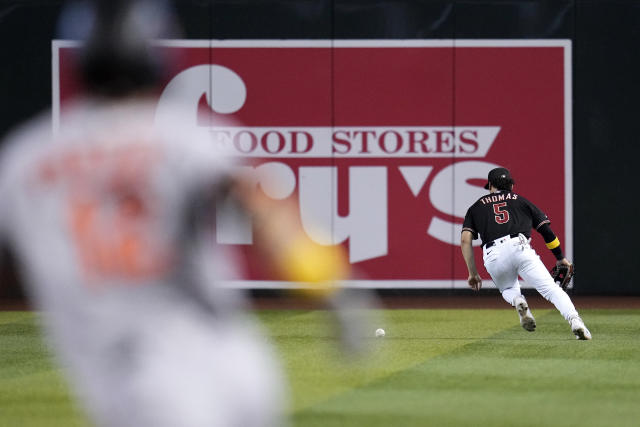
(553,243)
(467,252)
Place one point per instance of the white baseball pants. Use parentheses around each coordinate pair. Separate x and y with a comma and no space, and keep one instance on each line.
(509,258)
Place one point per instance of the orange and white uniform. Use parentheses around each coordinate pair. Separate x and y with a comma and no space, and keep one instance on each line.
(100,216)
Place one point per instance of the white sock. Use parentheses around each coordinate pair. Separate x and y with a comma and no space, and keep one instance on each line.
(510,294)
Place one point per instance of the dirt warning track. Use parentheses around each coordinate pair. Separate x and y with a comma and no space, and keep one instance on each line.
(479,301)
(282,302)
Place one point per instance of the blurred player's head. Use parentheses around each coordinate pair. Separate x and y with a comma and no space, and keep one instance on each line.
(118,58)
(500,179)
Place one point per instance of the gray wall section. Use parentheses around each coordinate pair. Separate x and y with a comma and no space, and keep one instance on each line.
(606,67)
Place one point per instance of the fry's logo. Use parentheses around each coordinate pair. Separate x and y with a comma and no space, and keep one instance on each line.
(385,143)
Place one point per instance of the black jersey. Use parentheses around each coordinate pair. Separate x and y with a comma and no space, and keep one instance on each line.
(501,214)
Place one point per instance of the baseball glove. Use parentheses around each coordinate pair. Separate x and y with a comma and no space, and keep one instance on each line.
(562,275)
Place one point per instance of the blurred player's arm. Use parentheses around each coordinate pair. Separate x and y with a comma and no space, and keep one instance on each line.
(467,252)
(296,257)
(318,269)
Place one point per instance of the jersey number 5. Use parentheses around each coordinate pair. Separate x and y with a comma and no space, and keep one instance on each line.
(502,216)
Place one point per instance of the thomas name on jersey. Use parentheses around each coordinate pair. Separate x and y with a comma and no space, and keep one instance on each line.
(498,198)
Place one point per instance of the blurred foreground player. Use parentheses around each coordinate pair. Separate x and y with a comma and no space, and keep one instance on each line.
(504,221)
(111,218)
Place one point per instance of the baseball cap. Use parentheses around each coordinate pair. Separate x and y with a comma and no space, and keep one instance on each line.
(496,174)
(118,57)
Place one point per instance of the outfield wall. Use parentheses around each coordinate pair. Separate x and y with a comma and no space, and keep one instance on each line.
(416,101)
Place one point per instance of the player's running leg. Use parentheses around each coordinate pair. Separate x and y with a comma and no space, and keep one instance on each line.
(535,273)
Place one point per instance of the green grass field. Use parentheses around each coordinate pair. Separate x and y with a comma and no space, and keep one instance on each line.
(433,368)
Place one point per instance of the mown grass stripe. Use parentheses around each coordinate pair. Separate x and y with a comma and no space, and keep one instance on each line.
(434,367)
(317,372)
(510,378)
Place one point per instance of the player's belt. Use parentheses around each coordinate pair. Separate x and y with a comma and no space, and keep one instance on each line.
(495,242)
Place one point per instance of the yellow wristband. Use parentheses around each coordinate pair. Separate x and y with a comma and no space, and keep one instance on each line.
(553,244)
(315,265)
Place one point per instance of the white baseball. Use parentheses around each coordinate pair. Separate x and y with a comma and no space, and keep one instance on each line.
(379,333)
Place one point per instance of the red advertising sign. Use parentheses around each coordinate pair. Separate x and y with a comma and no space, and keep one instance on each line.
(385,143)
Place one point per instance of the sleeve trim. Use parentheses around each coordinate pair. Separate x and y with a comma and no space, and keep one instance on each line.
(546,221)
(472,231)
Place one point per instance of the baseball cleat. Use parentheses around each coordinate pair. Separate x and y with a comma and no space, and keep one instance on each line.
(579,329)
(526,318)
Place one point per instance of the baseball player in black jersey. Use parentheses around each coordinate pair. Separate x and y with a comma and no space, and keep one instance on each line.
(503,220)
